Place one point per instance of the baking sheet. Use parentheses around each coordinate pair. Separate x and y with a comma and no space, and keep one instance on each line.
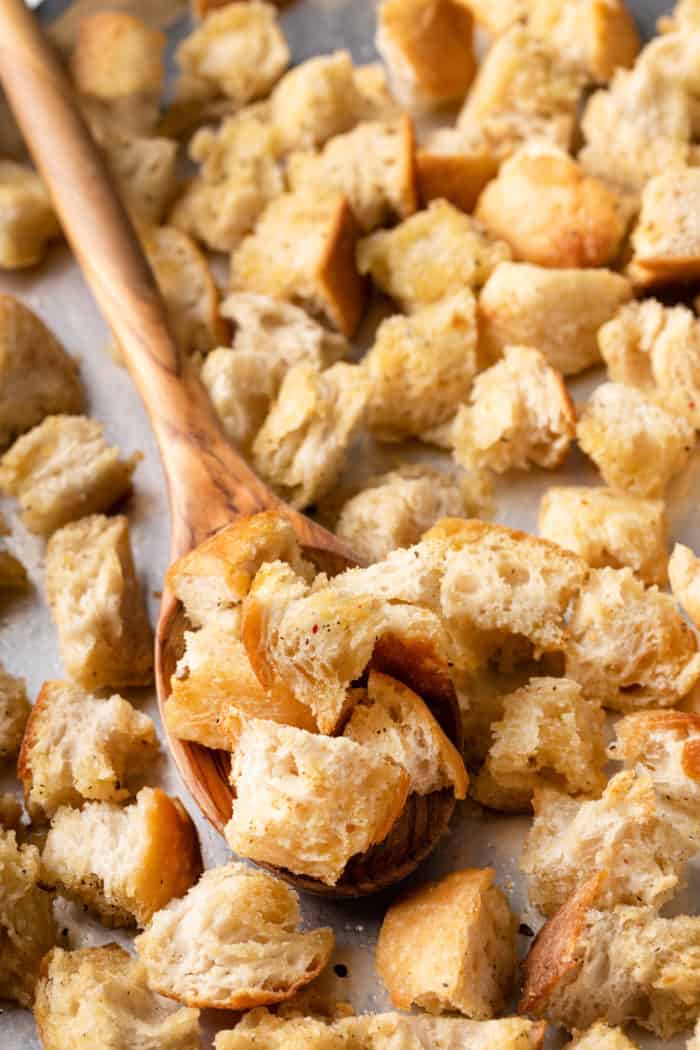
(28,644)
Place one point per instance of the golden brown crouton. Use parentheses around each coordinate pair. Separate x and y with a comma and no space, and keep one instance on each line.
(27,927)
(684,574)
(450,166)
(598,35)
(14,712)
(666,239)
(316,100)
(27,220)
(601,1037)
(144,170)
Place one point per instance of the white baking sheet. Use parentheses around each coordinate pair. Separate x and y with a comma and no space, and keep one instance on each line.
(28,644)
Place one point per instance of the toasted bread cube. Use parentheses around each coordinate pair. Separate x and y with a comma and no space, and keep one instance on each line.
(302,445)
(519,413)
(144,170)
(97,604)
(428,49)
(608,528)
(666,239)
(550,212)
(37,377)
(684,574)
(376,99)
(100,996)
(549,734)
(303,250)
(599,35)
(27,927)
(436,253)
(309,803)
(232,942)
(601,1037)
(450,945)
(481,693)
(628,645)
(450,166)
(373,165)
(119,861)
(27,220)
(316,100)
(421,367)
(79,747)
(636,445)
(650,965)
(558,311)
(64,469)
(14,712)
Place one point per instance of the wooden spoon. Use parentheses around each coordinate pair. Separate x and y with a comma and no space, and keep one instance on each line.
(209,485)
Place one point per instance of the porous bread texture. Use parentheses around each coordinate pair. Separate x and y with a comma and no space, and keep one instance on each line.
(421,367)
(627,835)
(308,803)
(28,222)
(428,50)
(435,253)
(636,445)
(450,945)
(598,35)
(232,942)
(628,645)
(684,576)
(394,721)
(452,166)
(14,712)
(302,446)
(558,312)
(674,56)
(97,604)
(608,528)
(303,250)
(601,1037)
(99,996)
(518,414)
(37,377)
(549,734)
(316,100)
(650,967)
(480,695)
(144,170)
(666,240)
(27,927)
(550,212)
(64,469)
(123,862)
(77,746)
(376,99)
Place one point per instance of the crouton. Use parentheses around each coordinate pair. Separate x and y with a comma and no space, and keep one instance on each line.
(421,367)
(557,311)
(302,445)
(316,100)
(666,239)
(518,413)
(376,99)
(650,965)
(78,747)
(436,253)
(428,49)
(14,712)
(450,166)
(497,18)
(100,996)
(232,942)
(628,645)
(373,165)
(144,170)
(684,574)
(481,693)
(549,734)
(10,812)
(124,863)
(27,927)
(303,249)
(636,445)
(28,222)
(309,803)
(97,604)
(598,35)
(550,212)
(37,377)
(608,528)
(601,1037)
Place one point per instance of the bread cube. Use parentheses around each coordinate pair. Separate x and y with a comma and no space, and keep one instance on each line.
(14,712)
(636,445)
(27,927)
(598,35)
(666,239)
(451,166)
(550,212)
(608,528)
(549,734)
(421,367)
(27,219)
(118,861)
(232,942)
(144,170)
(97,604)
(436,253)
(601,1037)
(628,645)
(684,575)
(308,803)
(481,693)
(556,311)
(428,49)
(316,100)
(303,250)
(376,99)
(78,747)
(302,446)
(100,996)
(450,945)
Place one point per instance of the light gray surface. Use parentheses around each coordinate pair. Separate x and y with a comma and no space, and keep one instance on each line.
(27,637)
